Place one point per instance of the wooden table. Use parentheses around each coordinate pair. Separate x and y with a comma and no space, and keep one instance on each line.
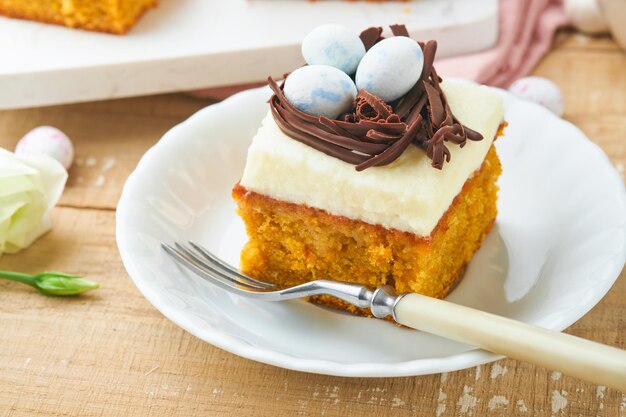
(111,353)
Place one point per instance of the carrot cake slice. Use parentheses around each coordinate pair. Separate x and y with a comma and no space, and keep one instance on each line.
(113,16)
(399,192)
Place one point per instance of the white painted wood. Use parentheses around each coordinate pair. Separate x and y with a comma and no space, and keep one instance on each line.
(571,355)
(189,44)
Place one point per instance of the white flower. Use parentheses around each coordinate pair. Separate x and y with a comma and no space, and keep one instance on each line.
(29,187)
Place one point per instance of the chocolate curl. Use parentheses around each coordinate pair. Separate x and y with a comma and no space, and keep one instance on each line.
(437,149)
(370,107)
(472,134)
(377,136)
(417,110)
(435,106)
(371,36)
(429,50)
(315,143)
(393,152)
(399,30)
(361,127)
(456,135)
(410,99)
(330,124)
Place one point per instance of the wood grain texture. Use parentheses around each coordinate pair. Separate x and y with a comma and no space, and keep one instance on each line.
(109,138)
(111,353)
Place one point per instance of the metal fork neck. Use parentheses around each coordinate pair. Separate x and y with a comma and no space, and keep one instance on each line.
(384,299)
(380,301)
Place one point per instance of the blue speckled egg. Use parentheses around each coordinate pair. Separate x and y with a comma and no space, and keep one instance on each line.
(390,68)
(333,45)
(320,90)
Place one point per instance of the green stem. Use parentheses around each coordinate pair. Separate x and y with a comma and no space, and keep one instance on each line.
(19,277)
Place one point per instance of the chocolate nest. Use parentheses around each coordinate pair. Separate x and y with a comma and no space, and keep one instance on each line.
(377,133)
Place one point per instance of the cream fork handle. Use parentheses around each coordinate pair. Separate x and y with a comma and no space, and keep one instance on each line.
(571,355)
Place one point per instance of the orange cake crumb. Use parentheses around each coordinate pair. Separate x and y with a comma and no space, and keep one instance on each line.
(291,244)
(113,16)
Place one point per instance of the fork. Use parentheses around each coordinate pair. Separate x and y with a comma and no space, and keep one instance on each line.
(585,359)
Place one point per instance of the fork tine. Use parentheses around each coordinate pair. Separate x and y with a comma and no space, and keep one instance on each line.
(216,270)
(178,256)
(354,294)
(217,262)
(184,256)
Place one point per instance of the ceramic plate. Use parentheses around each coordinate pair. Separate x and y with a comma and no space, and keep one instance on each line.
(558,246)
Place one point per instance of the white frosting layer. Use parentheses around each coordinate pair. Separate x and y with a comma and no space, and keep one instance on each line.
(408,195)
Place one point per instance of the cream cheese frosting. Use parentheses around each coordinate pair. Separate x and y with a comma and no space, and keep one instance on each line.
(408,194)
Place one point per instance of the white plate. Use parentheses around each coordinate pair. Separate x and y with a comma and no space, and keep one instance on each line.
(559,244)
(190,44)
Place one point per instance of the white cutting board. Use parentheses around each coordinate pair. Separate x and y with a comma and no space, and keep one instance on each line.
(190,44)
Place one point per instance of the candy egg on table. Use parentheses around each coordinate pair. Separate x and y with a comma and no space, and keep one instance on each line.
(47,140)
(333,45)
(320,90)
(541,91)
(390,68)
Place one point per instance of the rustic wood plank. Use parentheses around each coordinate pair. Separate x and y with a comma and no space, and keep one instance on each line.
(570,39)
(592,82)
(109,139)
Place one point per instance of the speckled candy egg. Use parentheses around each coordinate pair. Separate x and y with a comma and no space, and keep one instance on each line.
(541,91)
(47,140)
(333,45)
(320,90)
(390,68)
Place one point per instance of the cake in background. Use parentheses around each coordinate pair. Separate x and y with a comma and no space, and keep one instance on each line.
(98,15)
(369,169)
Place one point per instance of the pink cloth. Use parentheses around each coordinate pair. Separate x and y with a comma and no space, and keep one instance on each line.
(526,31)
